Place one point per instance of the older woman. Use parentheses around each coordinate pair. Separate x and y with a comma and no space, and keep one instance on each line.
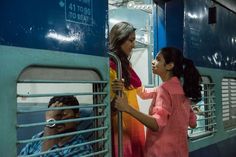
(122,41)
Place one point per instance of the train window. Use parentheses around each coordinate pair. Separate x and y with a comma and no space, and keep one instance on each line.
(85,130)
(229,102)
(206,121)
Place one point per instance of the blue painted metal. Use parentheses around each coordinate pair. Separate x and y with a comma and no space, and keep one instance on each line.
(62,25)
(159,30)
(216,75)
(174,23)
(185,25)
(155,30)
(63,34)
(169,23)
(209,45)
(14,60)
(224,148)
(230,4)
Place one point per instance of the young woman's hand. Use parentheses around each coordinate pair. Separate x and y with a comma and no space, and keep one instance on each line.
(121,103)
(197,110)
(117,85)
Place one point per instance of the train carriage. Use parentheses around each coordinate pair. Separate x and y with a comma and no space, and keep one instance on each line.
(54,48)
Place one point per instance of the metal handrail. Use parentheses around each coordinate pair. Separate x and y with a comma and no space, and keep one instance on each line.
(119,93)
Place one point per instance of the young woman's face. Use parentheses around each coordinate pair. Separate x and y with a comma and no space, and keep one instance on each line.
(129,44)
(159,65)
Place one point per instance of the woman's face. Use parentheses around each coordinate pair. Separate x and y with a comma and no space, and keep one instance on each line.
(129,44)
(159,65)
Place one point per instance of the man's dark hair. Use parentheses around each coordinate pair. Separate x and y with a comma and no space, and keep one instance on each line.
(69,100)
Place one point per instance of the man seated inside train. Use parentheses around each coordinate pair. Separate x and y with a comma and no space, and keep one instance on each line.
(59,143)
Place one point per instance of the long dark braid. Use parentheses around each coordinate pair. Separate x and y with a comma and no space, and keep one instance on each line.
(192,80)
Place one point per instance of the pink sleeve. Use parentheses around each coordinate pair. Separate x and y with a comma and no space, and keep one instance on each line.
(162,108)
(146,93)
(192,118)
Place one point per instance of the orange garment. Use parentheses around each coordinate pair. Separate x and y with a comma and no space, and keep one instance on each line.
(173,114)
(133,130)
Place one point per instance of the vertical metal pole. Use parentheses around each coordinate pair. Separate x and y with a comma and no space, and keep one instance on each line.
(120,126)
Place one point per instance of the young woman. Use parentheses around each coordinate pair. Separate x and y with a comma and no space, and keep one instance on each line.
(170,112)
(122,41)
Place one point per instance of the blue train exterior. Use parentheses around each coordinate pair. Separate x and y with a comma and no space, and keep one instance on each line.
(63,44)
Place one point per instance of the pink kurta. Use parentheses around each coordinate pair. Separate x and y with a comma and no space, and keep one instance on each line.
(173,114)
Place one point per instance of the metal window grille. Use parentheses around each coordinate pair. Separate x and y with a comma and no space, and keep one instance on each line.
(37,85)
(229,102)
(206,119)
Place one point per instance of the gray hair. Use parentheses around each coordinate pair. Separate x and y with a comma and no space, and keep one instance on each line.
(119,33)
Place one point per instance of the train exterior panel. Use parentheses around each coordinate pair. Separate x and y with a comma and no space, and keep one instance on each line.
(68,26)
(50,48)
